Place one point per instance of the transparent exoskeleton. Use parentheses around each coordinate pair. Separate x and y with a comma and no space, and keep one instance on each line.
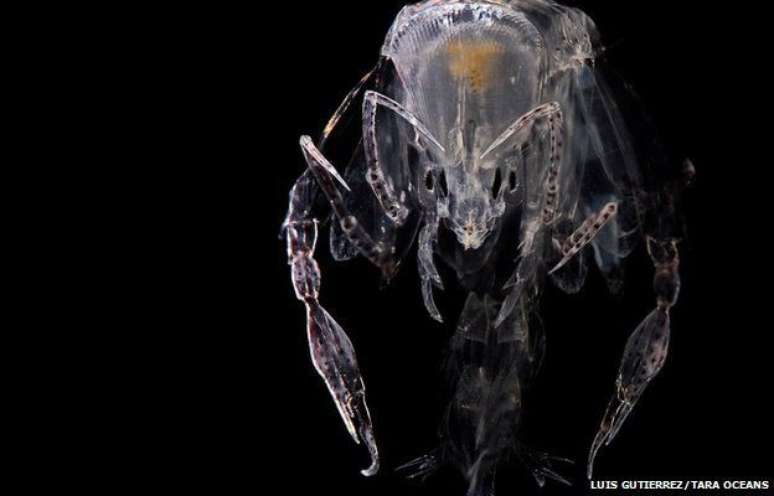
(490,135)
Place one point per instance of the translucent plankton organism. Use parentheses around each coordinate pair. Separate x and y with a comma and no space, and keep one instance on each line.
(492,142)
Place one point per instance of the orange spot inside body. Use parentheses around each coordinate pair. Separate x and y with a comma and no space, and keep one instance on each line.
(473,61)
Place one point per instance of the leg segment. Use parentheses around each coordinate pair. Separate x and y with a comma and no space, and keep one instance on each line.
(326,175)
(427,271)
(646,349)
(347,103)
(551,203)
(532,226)
(383,187)
(553,113)
(524,122)
(585,233)
(331,350)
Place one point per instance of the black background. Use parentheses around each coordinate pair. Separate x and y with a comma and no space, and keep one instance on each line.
(707,415)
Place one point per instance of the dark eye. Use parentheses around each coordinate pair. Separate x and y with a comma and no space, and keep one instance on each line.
(413,156)
(429,181)
(443,185)
(512,181)
(498,183)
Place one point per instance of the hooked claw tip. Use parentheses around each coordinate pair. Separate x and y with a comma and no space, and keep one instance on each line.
(319,161)
(371,470)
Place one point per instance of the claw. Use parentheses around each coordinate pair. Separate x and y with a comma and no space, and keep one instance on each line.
(332,353)
(429,300)
(334,358)
(643,358)
(427,270)
(307,145)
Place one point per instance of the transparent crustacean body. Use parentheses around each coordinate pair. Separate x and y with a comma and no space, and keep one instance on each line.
(486,122)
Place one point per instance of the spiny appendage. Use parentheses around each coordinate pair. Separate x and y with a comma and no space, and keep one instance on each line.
(331,350)
(372,99)
(422,467)
(382,187)
(555,129)
(585,234)
(543,466)
(347,103)
(551,112)
(524,122)
(647,347)
(428,273)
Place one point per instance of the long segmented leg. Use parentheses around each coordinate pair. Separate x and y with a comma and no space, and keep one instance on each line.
(555,120)
(347,103)
(331,350)
(585,233)
(646,349)
(532,227)
(553,113)
(428,273)
(326,176)
(522,123)
(382,187)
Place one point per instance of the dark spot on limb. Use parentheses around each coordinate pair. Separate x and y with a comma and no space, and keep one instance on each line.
(348,223)
(429,181)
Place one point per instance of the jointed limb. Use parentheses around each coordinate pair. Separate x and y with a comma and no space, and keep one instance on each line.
(383,188)
(534,226)
(347,103)
(646,349)
(326,175)
(428,273)
(585,233)
(331,350)
(525,122)
(517,132)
